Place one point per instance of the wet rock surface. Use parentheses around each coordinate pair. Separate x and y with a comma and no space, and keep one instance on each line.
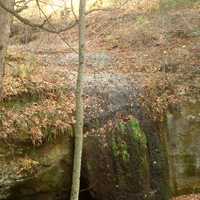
(125,155)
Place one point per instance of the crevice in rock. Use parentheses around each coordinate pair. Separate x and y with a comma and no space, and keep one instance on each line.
(85,193)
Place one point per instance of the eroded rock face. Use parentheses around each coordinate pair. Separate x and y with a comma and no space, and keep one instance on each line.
(124,151)
(29,172)
(184,143)
(117,162)
(123,160)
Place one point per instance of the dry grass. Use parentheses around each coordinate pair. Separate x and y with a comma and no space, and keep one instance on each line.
(188,197)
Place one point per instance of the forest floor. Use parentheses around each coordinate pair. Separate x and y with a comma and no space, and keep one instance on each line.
(188,197)
(159,50)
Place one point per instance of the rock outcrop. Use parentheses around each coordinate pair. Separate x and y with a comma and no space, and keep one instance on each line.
(127,155)
(125,151)
(184,147)
(29,172)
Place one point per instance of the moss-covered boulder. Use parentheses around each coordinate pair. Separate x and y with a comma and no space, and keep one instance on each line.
(117,162)
(125,155)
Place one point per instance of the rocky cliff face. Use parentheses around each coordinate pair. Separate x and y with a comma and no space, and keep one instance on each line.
(184,147)
(127,155)
(124,153)
(125,150)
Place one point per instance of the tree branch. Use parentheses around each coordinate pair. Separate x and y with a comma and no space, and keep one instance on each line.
(54,28)
(36,25)
(42,25)
(21,5)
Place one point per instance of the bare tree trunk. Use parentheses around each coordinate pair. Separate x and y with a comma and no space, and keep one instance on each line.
(79,106)
(5,20)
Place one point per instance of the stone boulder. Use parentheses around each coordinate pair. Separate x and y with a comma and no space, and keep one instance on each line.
(124,151)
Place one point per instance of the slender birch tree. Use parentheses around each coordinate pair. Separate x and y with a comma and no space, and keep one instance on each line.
(79,106)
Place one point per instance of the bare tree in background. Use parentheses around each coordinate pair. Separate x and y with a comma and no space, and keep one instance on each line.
(79,106)
(5,21)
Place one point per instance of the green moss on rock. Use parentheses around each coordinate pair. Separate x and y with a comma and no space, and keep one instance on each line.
(129,149)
